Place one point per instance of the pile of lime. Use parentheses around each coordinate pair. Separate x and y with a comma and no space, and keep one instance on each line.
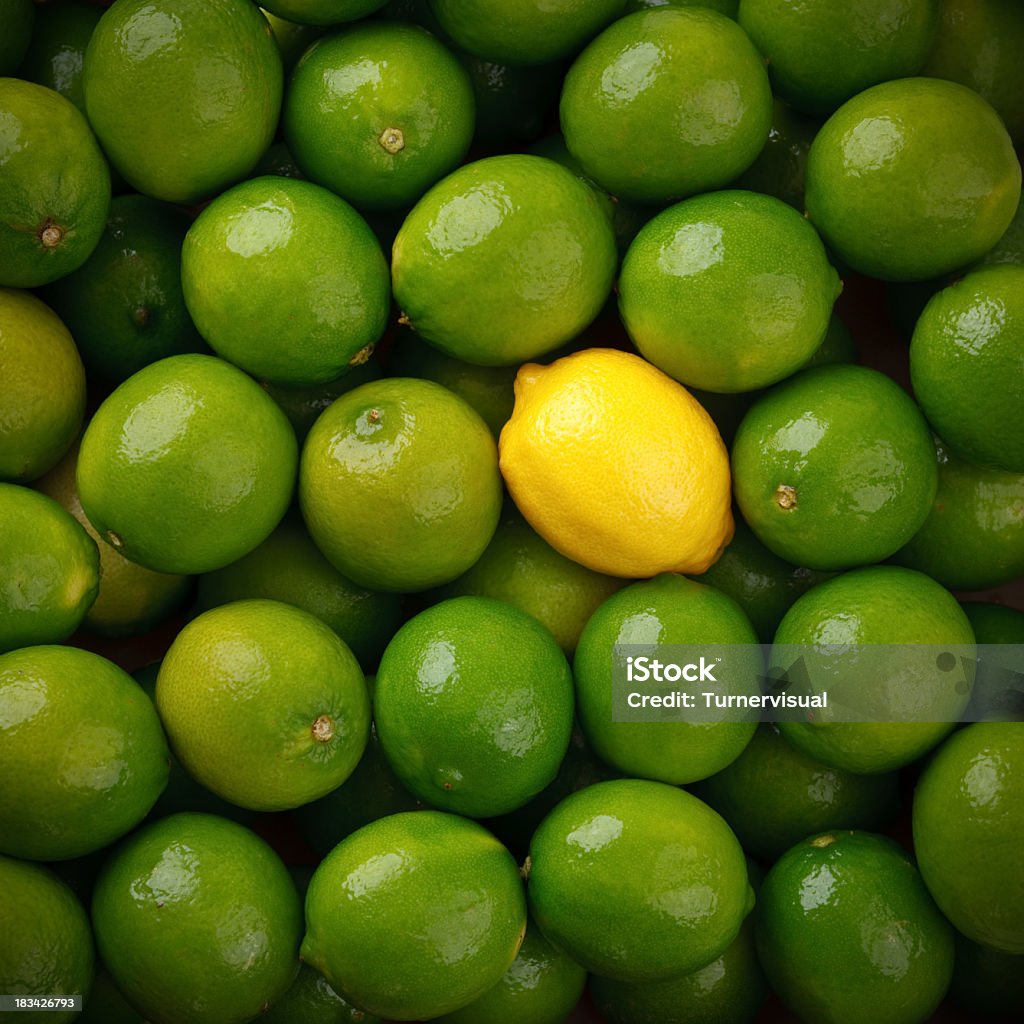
(369,371)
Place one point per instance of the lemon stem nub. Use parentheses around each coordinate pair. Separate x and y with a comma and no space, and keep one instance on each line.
(323,729)
(785,496)
(392,140)
(51,236)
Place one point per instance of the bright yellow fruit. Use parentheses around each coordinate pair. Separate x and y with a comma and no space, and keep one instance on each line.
(617,466)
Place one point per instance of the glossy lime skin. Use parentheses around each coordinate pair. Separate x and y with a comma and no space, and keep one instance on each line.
(18,18)
(967,823)
(846,931)
(474,706)
(182,128)
(311,1000)
(124,305)
(985,981)
(878,605)
(729,990)
(505,259)
(323,12)
(351,90)
(727,7)
(967,366)
(730,291)
(973,537)
(834,468)
(197,921)
(978,45)
(110,766)
(773,795)
(527,32)
(637,881)
(292,40)
(382,447)
(147,491)
(542,986)
(885,179)
(45,941)
(1009,248)
(995,623)
(415,915)
(667,103)
(49,570)
(668,609)
(56,56)
(820,54)
(54,186)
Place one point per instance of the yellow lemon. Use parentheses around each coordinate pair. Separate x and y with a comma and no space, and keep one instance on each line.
(617,466)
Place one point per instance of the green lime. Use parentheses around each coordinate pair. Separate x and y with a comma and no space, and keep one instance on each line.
(183,94)
(838,346)
(131,599)
(542,986)
(967,366)
(834,468)
(504,260)
(847,932)
(17,17)
(278,161)
(1009,248)
(474,706)
(311,1000)
(729,8)
(520,568)
(379,113)
(877,605)
(56,56)
(761,583)
(995,623)
(42,397)
(187,466)
(293,39)
(979,43)
(106,1004)
(54,186)
(264,704)
(730,291)
(820,53)
(415,915)
(197,921)
(288,567)
(49,570)
(973,537)
(387,498)
(885,179)
(773,795)
(729,990)
(666,103)
(637,881)
(247,267)
(668,609)
(527,32)
(322,12)
(985,981)
(968,818)
(82,754)
(45,940)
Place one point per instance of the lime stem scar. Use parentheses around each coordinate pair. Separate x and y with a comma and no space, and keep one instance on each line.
(392,140)
(323,729)
(51,236)
(785,496)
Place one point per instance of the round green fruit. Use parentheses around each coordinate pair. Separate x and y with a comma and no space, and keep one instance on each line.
(56,56)
(18,17)
(323,12)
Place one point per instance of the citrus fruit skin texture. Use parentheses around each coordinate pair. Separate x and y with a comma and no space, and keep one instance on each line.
(182,128)
(54,186)
(505,259)
(49,570)
(820,54)
(45,939)
(311,1000)
(264,704)
(671,610)
(729,8)
(474,706)
(286,280)
(18,18)
(125,306)
(65,800)
(1009,248)
(323,12)
(667,103)
(846,931)
(219,899)
(379,113)
(617,466)
(528,32)
(773,795)
(637,881)
(728,292)
(385,494)
(885,174)
(542,986)
(973,537)
(968,815)
(879,605)
(415,915)
(56,55)
(187,466)
(967,366)
(834,468)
